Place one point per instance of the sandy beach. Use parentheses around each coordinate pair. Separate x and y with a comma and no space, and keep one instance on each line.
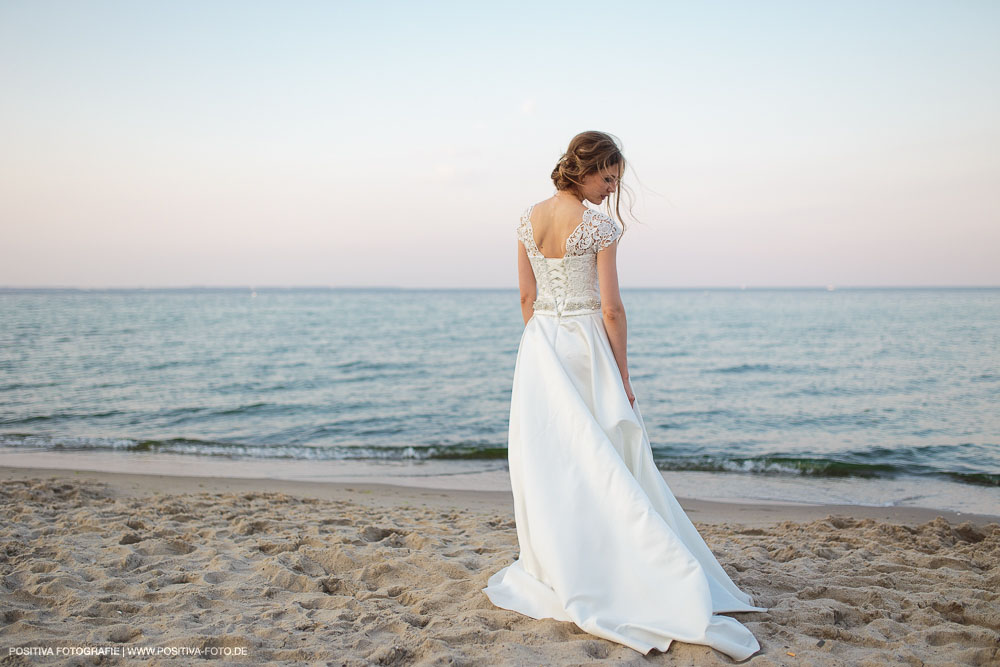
(286,572)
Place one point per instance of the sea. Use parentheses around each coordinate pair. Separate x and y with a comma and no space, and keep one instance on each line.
(868,396)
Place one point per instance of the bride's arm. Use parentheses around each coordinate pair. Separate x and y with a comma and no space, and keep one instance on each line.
(525,283)
(613,311)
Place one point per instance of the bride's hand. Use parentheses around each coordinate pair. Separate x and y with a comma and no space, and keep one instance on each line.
(628,392)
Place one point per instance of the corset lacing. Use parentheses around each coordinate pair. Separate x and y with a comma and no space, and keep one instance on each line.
(559,294)
(568,286)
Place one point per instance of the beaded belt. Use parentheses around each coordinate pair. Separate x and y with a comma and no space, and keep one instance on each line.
(567,313)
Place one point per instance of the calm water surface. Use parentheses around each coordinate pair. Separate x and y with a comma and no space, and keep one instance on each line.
(796,382)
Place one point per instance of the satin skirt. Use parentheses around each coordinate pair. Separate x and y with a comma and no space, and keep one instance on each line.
(602,540)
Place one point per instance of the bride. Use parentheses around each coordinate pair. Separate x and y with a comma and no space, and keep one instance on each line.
(602,540)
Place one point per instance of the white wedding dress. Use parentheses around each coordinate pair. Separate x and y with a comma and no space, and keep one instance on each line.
(602,540)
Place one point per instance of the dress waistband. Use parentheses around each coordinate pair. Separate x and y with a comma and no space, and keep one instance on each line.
(567,313)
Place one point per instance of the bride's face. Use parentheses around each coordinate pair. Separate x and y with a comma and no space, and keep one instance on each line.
(601,184)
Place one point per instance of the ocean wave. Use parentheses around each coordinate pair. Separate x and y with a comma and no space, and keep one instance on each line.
(872,463)
(953,462)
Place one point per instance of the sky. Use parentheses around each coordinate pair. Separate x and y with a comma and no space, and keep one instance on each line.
(803,143)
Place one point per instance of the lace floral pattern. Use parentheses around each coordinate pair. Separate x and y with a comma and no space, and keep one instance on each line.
(595,232)
(568,285)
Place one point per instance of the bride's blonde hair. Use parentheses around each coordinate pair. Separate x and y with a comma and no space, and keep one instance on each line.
(588,153)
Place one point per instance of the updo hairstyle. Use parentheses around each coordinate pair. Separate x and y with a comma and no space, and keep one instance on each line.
(588,153)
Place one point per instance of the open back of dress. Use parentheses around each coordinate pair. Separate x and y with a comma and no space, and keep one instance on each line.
(603,541)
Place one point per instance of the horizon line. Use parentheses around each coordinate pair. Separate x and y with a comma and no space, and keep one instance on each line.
(742,287)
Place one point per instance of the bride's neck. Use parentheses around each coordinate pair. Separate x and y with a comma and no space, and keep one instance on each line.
(565,194)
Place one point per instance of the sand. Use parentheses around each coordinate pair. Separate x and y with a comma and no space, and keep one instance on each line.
(279,572)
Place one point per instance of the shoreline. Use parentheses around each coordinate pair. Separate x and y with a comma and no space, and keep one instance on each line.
(734,488)
(748,513)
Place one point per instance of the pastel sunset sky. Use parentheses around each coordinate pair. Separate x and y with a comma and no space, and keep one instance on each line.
(179,143)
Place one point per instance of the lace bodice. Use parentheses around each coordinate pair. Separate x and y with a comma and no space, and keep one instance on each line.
(568,285)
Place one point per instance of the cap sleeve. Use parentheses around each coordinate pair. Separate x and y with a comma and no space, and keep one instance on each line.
(524,228)
(606,231)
